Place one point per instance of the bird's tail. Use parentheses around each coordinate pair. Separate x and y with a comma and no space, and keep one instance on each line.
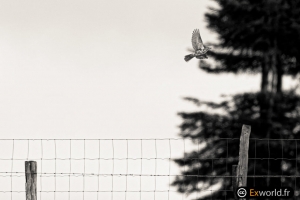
(188,57)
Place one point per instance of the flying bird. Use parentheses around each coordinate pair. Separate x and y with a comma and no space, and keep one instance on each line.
(200,49)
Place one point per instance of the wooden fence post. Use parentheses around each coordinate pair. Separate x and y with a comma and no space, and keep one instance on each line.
(240,171)
(30,173)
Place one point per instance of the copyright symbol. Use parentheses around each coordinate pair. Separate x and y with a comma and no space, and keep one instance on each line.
(241,192)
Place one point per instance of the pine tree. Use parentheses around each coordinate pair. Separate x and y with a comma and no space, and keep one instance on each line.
(255,36)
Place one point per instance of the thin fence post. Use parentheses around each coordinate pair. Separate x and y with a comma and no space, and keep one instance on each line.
(31,176)
(242,169)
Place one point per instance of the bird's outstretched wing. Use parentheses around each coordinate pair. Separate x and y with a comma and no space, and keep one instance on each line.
(196,40)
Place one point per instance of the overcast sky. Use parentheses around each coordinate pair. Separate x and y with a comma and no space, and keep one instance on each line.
(102,69)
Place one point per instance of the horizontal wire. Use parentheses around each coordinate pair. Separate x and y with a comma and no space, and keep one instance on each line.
(287,139)
(124,139)
(148,158)
(116,158)
(115,191)
(19,174)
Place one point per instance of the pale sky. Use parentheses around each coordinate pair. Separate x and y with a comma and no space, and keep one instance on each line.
(102,69)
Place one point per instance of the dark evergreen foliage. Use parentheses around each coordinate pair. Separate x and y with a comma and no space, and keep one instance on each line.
(249,28)
(255,36)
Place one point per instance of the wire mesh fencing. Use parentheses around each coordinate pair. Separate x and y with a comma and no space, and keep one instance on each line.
(94,168)
(135,169)
(279,160)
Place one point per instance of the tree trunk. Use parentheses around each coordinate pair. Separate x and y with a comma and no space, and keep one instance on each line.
(265,73)
(279,78)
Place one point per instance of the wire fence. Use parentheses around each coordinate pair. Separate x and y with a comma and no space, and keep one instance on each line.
(280,159)
(132,168)
(93,168)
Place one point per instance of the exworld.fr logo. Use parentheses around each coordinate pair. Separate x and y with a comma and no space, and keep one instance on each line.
(264,192)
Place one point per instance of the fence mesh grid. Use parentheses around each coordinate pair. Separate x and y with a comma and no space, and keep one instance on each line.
(126,168)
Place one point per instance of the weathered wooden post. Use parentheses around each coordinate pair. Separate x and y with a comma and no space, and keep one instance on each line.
(30,173)
(242,168)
